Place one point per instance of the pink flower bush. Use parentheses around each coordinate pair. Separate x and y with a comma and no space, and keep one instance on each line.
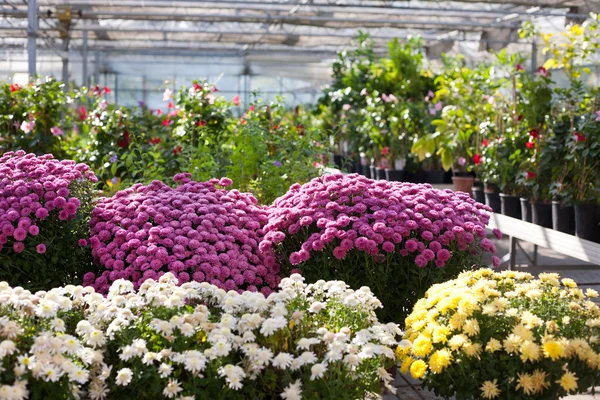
(377,233)
(40,201)
(196,231)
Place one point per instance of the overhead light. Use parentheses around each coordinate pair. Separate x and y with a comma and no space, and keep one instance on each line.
(532,10)
(510,16)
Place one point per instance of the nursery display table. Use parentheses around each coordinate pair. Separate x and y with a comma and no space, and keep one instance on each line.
(518,230)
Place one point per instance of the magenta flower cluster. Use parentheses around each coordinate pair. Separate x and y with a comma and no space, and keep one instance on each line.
(197,231)
(346,213)
(32,189)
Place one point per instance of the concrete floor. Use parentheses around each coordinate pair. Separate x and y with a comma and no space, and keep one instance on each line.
(585,274)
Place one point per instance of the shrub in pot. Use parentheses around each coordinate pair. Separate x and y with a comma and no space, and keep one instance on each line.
(504,336)
(195,340)
(198,230)
(45,206)
(397,238)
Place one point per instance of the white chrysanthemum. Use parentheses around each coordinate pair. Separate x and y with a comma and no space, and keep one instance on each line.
(308,357)
(270,325)
(317,371)
(283,360)
(221,348)
(96,338)
(305,343)
(316,307)
(172,388)
(124,377)
(127,353)
(187,330)
(165,370)
(150,357)
(194,361)
(293,391)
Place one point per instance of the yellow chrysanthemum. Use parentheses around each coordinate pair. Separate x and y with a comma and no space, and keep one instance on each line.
(589,292)
(472,350)
(471,327)
(526,383)
(440,334)
(539,380)
(512,343)
(553,350)
(524,333)
(456,321)
(490,390)
(568,282)
(439,360)
(417,369)
(422,346)
(467,305)
(406,363)
(568,381)
(493,345)
(529,351)
(457,341)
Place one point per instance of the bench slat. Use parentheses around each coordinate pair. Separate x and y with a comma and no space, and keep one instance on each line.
(560,242)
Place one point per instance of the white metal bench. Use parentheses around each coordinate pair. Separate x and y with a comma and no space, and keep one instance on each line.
(560,242)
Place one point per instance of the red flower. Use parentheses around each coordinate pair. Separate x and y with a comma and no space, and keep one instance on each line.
(177,150)
(107,90)
(385,150)
(155,140)
(530,145)
(275,127)
(477,159)
(124,142)
(97,91)
(300,130)
(580,137)
(82,113)
(251,108)
(530,175)
(201,123)
(534,133)
(543,72)
(165,122)
(170,105)
(520,68)
(197,86)
(520,117)
(14,87)
(214,89)
(485,142)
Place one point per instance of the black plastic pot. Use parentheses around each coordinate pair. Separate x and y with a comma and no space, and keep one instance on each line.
(586,224)
(510,206)
(381,173)
(419,176)
(525,209)
(478,194)
(541,214)
(434,176)
(396,175)
(373,172)
(366,170)
(563,218)
(492,199)
(338,161)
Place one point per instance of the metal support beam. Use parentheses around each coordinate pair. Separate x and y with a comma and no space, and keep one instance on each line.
(533,57)
(84,60)
(31,36)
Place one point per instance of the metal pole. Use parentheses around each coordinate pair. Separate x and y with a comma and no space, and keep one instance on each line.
(84,60)
(96,67)
(116,89)
(533,57)
(31,36)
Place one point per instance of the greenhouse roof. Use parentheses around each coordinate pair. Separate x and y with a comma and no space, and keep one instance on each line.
(235,28)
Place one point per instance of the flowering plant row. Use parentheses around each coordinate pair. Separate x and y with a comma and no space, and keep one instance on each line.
(397,238)
(504,336)
(196,231)
(45,205)
(193,341)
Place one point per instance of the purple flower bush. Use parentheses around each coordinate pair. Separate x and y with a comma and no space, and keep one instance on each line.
(397,238)
(44,211)
(197,231)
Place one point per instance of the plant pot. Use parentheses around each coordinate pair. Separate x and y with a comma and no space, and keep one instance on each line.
(563,218)
(338,161)
(396,175)
(381,173)
(419,176)
(366,170)
(492,199)
(434,176)
(478,194)
(586,224)
(463,184)
(510,206)
(525,209)
(541,214)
